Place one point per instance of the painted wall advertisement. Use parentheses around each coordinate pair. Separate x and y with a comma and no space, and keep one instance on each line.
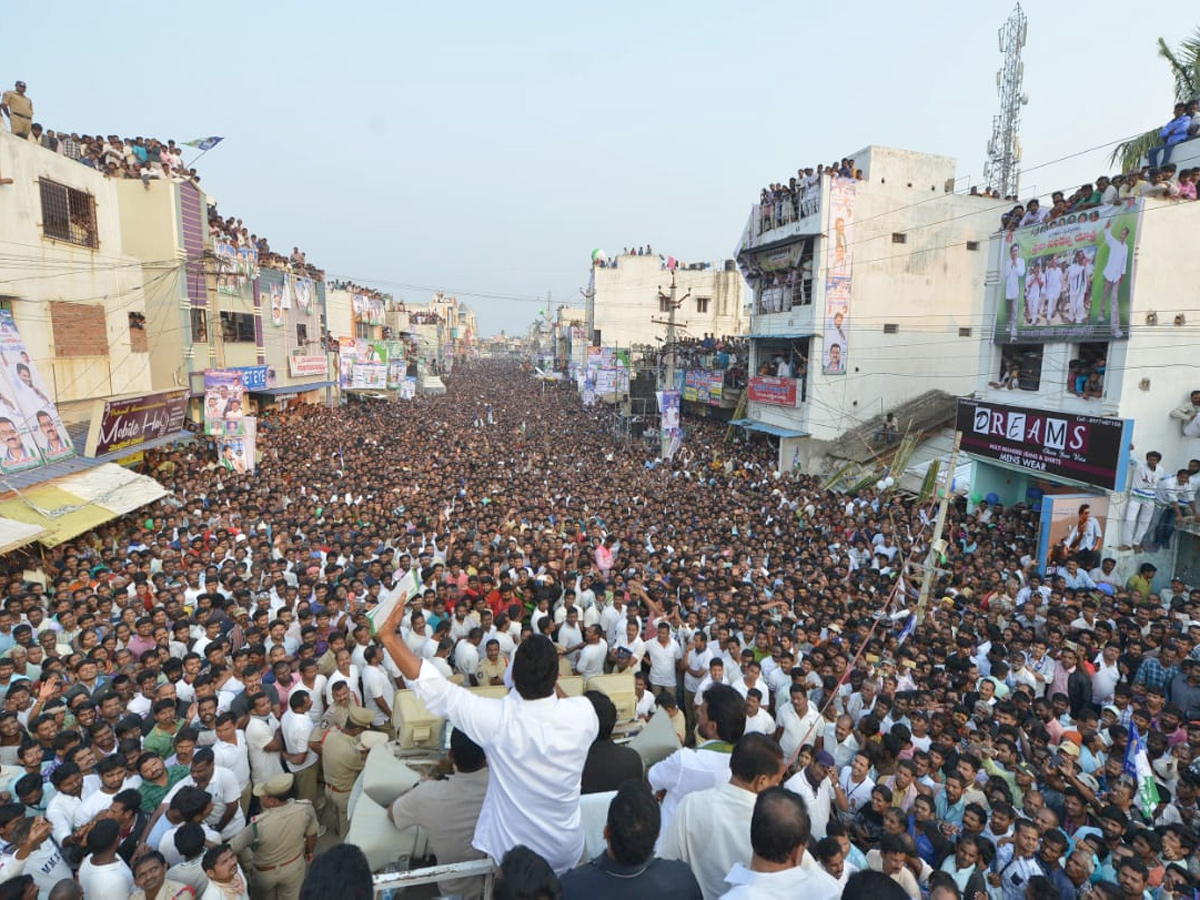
(224,401)
(31,431)
(772,389)
(839,261)
(135,421)
(1088,449)
(1070,278)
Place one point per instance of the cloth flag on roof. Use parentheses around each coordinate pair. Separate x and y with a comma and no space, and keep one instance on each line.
(204,143)
(1137,767)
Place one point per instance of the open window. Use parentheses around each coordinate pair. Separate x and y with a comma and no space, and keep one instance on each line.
(1086,372)
(1020,368)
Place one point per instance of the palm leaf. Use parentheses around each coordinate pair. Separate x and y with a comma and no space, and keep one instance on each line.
(1128,155)
(1184,61)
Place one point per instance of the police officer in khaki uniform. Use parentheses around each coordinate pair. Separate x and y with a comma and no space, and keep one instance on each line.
(277,845)
(343,757)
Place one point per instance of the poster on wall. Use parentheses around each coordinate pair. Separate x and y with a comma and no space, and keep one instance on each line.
(236,452)
(772,389)
(132,422)
(668,404)
(224,402)
(716,387)
(1069,279)
(839,261)
(275,296)
(1073,526)
(31,431)
(347,356)
(408,387)
(304,295)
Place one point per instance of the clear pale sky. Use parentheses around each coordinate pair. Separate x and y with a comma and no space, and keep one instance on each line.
(485,149)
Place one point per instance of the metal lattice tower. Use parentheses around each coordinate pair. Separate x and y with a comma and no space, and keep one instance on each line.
(1002,170)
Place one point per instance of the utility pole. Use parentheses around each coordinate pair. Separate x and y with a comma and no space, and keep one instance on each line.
(938,525)
(670,385)
(216,334)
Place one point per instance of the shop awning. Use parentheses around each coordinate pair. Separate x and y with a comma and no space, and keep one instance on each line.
(752,425)
(65,508)
(14,534)
(293,388)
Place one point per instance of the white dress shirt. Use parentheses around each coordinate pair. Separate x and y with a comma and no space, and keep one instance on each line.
(687,770)
(809,883)
(710,831)
(535,751)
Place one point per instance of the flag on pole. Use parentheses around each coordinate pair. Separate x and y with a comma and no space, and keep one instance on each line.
(204,143)
(1137,767)
(909,628)
(406,588)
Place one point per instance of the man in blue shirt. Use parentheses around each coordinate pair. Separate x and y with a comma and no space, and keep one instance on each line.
(1174,132)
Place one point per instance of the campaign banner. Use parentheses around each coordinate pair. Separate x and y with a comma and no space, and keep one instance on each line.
(716,387)
(839,261)
(236,268)
(408,387)
(772,389)
(606,382)
(236,452)
(303,366)
(347,356)
(135,421)
(695,386)
(305,290)
(1089,449)
(256,378)
(369,375)
(1069,279)
(275,298)
(31,430)
(396,373)
(224,401)
(1067,519)
(668,405)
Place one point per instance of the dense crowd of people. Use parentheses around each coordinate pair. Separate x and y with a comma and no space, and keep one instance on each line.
(800,196)
(113,156)
(233,233)
(186,690)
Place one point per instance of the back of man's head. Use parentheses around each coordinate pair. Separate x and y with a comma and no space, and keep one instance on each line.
(606,712)
(755,756)
(535,667)
(468,755)
(726,709)
(868,884)
(526,876)
(634,820)
(189,840)
(779,826)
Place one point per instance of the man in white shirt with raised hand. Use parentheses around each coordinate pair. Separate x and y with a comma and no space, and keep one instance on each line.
(536,744)
(666,657)
(710,829)
(799,724)
(721,721)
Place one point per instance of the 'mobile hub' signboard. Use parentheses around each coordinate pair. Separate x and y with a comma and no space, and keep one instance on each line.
(1089,449)
(130,423)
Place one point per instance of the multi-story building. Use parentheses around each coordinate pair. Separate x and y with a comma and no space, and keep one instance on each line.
(626,302)
(1071,394)
(866,296)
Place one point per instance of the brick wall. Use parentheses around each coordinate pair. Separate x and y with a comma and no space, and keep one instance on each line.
(79,329)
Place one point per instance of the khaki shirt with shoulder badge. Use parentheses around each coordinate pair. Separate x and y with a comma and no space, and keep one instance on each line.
(342,758)
(276,836)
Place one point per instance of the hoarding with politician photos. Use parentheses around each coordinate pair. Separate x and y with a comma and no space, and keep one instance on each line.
(1088,449)
(31,431)
(1070,278)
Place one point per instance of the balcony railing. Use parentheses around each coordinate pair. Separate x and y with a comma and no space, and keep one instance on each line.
(784,297)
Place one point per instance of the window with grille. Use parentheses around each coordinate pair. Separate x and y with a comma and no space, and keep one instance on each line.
(899,237)
(301,335)
(891,328)
(664,304)
(67,214)
(237,328)
(702,304)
